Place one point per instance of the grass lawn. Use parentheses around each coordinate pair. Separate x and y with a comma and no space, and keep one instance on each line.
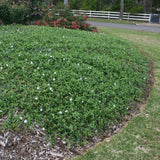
(141,138)
(114,21)
(74,84)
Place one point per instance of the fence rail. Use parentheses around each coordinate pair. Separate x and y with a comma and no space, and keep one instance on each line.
(114,15)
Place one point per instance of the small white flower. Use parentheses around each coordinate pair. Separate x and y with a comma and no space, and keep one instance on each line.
(115,84)
(54,72)
(66,111)
(71,99)
(144,78)
(7,65)
(54,79)
(31,62)
(25,121)
(82,101)
(85,77)
(51,88)
(12,46)
(51,56)
(64,142)
(64,59)
(43,74)
(38,88)
(89,67)
(21,118)
(37,67)
(48,84)
(1,111)
(80,78)
(36,98)
(1,67)
(43,129)
(78,64)
(60,112)
(114,105)
(19,55)
(92,91)
(41,109)
(49,50)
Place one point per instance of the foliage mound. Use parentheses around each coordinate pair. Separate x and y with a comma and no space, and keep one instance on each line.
(74,84)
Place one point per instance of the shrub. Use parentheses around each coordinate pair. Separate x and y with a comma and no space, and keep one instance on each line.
(5,13)
(136,9)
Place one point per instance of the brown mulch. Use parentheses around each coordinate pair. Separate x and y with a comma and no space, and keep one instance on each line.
(31,144)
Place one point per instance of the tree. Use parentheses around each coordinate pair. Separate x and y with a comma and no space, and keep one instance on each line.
(121,9)
(66,4)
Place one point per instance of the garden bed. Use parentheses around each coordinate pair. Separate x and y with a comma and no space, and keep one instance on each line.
(69,85)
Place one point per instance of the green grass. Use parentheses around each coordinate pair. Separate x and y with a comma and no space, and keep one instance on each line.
(74,84)
(114,21)
(141,138)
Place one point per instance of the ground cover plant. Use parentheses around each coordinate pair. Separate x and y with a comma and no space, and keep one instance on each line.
(73,84)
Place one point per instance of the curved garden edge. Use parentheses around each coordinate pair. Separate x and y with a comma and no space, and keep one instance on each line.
(139,108)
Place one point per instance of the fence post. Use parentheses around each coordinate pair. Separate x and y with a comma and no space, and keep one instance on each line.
(108,15)
(128,16)
(150,18)
(90,14)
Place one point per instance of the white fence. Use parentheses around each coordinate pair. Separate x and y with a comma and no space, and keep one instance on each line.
(114,15)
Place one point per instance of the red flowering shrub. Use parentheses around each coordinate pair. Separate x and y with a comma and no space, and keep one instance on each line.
(68,20)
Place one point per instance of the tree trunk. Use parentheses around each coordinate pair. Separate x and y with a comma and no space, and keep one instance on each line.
(121,9)
(65,4)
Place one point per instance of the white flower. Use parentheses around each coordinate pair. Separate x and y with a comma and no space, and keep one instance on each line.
(60,112)
(92,91)
(25,121)
(89,67)
(115,84)
(7,65)
(64,59)
(144,78)
(51,88)
(82,101)
(37,87)
(64,142)
(21,118)
(12,46)
(43,74)
(37,67)
(49,50)
(43,129)
(54,72)
(80,78)
(66,111)
(78,64)
(1,67)
(48,84)
(114,105)
(85,77)
(41,109)
(19,55)
(51,56)
(31,62)
(71,99)
(36,98)
(54,79)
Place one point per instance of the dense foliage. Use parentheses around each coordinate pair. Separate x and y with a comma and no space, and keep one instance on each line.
(41,13)
(132,6)
(73,84)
